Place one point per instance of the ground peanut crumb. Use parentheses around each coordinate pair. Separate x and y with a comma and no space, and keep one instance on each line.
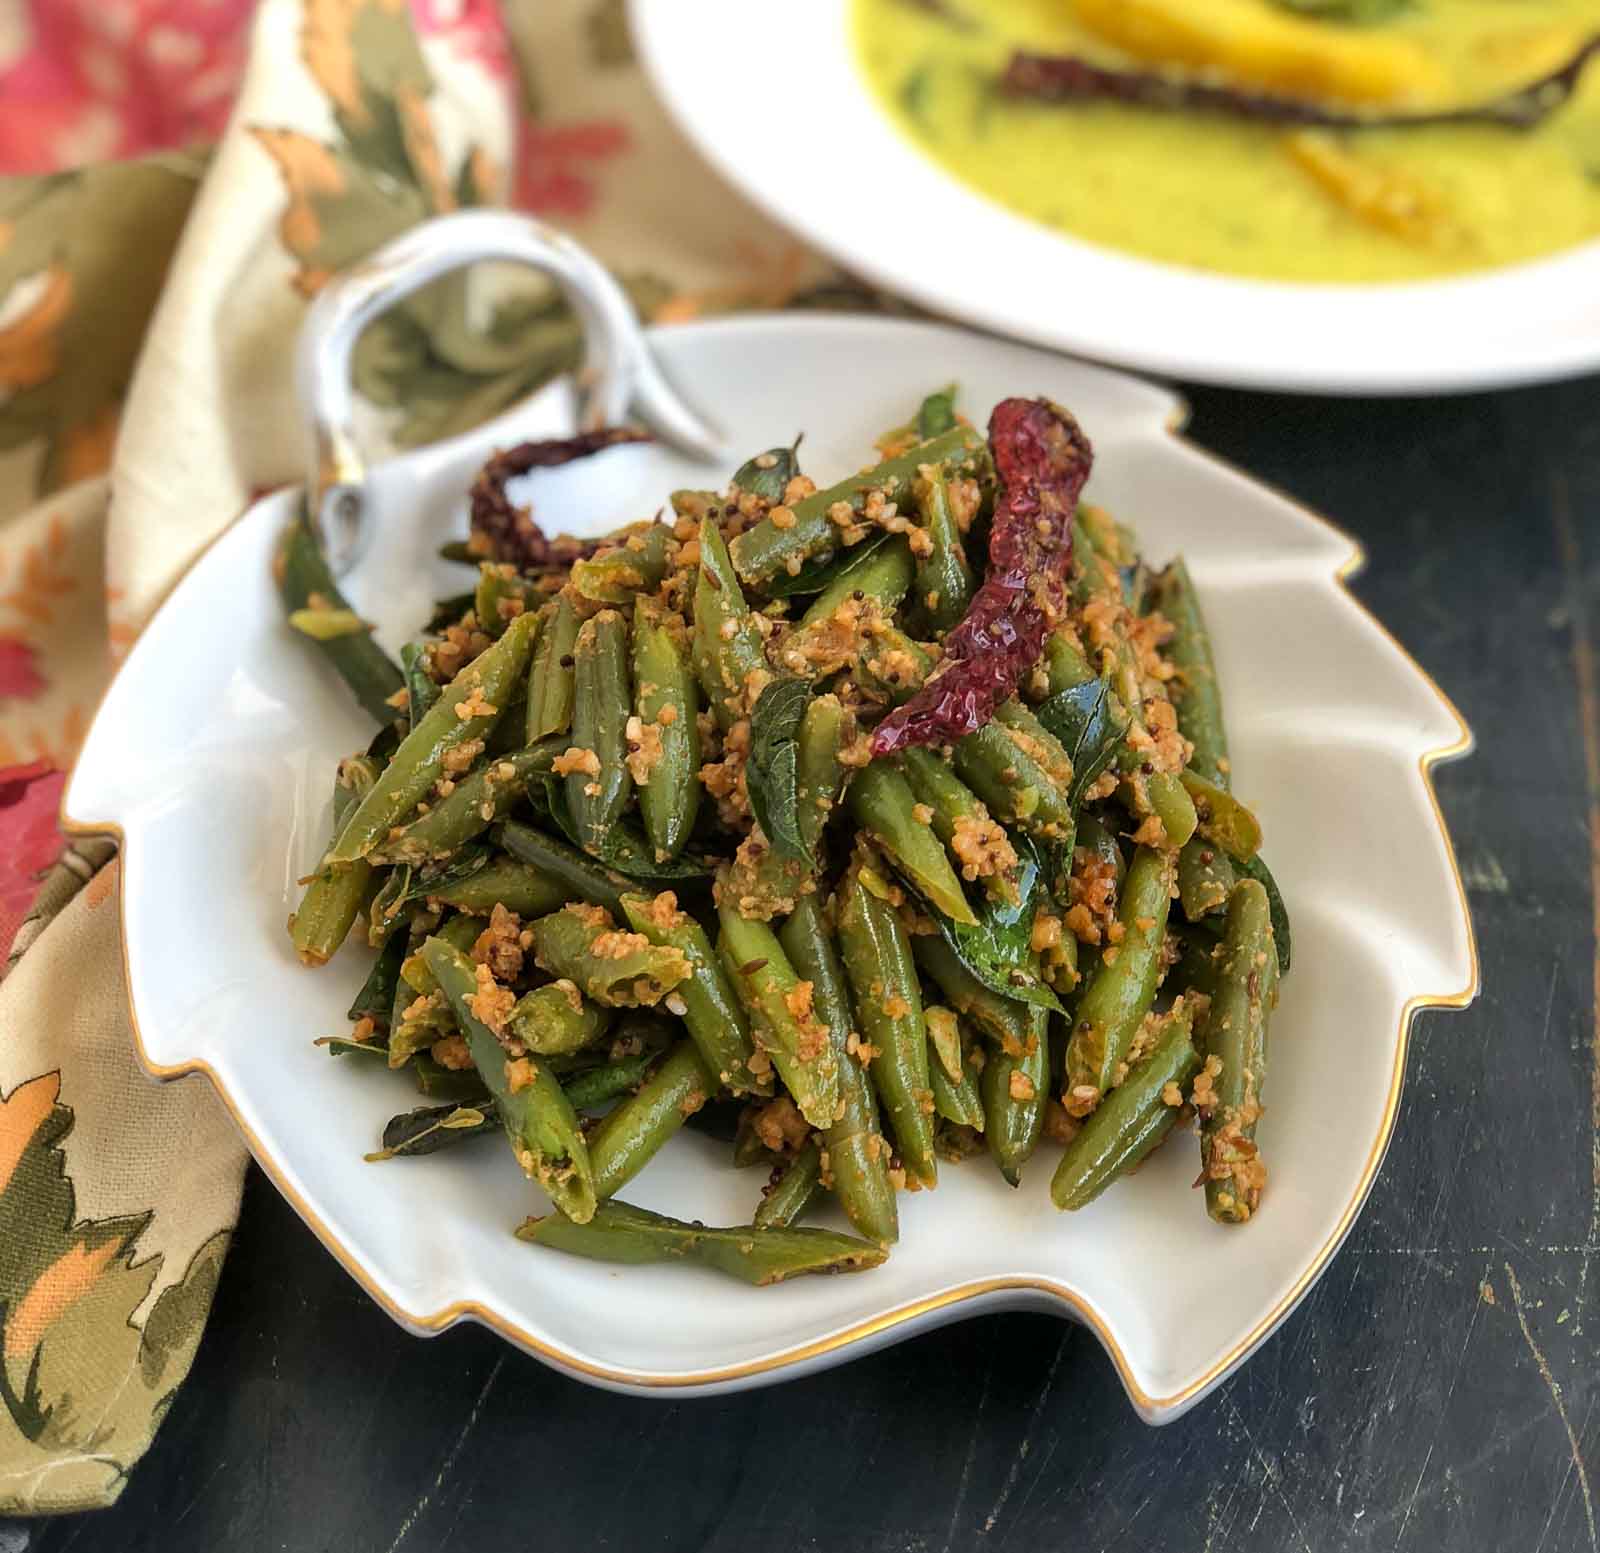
(475,705)
(452,1053)
(780,1126)
(1058,1126)
(491,1003)
(576,759)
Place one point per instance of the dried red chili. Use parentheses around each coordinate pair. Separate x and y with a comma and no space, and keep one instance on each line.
(1069,78)
(1043,459)
(502,532)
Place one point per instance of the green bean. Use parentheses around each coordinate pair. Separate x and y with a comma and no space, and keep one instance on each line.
(1170,802)
(957,811)
(1196,693)
(556,1019)
(858,1156)
(501,596)
(503,881)
(472,805)
(894,667)
(1156,792)
(1132,1120)
(666,699)
(1223,819)
(883,573)
(1065,663)
(944,582)
(434,1127)
(767,548)
(621,970)
(641,558)
(594,1086)
(550,676)
(419,763)
(1205,878)
(728,645)
(955,1085)
(944,1036)
(460,933)
(820,774)
(619,1232)
(421,691)
(1015,765)
(1257,869)
(630,1136)
(602,699)
(581,876)
(1235,1031)
(1121,991)
(328,910)
(538,1118)
(785,1023)
(793,1188)
(333,898)
(305,582)
(1016,1088)
(888,1006)
(715,1018)
(882,804)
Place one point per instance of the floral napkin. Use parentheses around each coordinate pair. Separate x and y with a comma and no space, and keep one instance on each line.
(147,308)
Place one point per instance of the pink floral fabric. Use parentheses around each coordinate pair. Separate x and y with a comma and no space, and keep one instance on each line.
(98,80)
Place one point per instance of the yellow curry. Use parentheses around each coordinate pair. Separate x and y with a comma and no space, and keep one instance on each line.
(1207,187)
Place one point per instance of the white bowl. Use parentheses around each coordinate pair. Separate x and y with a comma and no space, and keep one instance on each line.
(213,753)
(824,159)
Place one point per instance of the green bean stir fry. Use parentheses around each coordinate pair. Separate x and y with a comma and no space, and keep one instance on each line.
(866,828)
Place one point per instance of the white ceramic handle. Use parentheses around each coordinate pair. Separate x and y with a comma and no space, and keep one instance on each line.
(619,374)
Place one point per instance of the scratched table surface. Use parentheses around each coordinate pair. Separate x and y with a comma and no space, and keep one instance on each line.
(1437,1389)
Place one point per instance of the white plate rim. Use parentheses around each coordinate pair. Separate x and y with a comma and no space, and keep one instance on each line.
(960,1300)
(1257,318)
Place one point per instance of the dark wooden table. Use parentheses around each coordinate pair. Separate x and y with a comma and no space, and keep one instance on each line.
(1438,1388)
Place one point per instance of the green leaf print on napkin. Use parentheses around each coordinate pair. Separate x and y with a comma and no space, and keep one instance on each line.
(69,1293)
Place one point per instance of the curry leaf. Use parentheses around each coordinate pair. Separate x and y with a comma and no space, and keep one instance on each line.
(433,1127)
(1084,718)
(772,771)
(998,948)
(768,474)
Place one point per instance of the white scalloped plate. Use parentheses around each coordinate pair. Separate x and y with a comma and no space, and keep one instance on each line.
(831,166)
(212,756)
